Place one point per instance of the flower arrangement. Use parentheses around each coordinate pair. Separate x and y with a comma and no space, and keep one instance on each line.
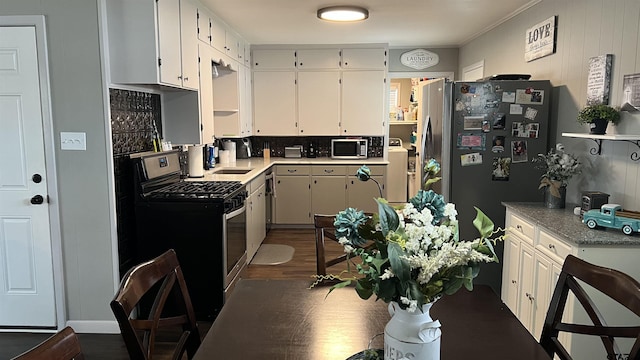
(417,255)
(558,167)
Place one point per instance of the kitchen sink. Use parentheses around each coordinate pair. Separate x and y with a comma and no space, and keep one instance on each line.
(232,171)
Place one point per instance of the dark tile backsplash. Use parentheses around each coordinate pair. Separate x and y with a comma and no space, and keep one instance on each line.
(134,116)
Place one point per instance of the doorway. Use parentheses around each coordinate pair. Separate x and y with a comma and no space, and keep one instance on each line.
(31,291)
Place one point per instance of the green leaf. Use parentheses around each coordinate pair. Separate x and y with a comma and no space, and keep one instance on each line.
(363,288)
(338,286)
(483,224)
(388,217)
(400,267)
(453,286)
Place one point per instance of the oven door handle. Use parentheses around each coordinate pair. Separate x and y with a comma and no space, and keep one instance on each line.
(235,213)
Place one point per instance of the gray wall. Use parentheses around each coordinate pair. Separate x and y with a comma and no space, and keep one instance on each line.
(586,28)
(77,105)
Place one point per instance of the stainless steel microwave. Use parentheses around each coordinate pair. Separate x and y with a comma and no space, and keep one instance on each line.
(349,148)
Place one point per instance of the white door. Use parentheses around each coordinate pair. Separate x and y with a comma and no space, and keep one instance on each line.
(26,269)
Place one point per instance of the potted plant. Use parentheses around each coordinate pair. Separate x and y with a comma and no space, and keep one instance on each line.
(599,116)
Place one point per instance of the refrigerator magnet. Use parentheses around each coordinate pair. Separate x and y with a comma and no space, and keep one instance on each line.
(497,144)
(470,159)
(515,109)
(531,113)
(501,168)
(509,97)
(532,130)
(473,122)
(471,141)
(499,121)
(519,151)
(530,96)
(486,126)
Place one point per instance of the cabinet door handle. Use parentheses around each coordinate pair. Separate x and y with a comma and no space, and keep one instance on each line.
(186,79)
(519,227)
(551,246)
(292,170)
(513,282)
(329,171)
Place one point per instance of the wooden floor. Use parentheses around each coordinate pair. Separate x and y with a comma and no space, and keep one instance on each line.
(111,347)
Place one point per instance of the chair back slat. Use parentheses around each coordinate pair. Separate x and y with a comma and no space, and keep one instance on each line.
(163,279)
(64,345)
(616,285)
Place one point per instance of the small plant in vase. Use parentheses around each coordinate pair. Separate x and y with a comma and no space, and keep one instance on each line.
(558,167)
(599,116)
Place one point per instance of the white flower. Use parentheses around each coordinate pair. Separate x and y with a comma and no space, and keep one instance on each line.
(413,304)
(387,274)
(348,249)
(450,211)
(343,241)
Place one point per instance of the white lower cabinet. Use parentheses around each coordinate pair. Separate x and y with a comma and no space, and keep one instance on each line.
(256,212)
(302,191)
(533,259)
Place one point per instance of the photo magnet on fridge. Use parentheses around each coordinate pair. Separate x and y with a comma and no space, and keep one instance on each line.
(498,121)
(501,169)
(473,122)
(519,151)
(497,145)
(471,141)
(531,113)
(471,159)
(529,96)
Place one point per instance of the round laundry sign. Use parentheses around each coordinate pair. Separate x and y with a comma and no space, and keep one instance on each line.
(419,59)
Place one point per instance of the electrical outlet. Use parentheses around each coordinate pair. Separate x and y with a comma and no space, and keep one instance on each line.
(73,141)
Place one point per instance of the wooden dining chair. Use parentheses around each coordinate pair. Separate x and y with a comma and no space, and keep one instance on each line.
(324,229)
(64,345)
(618,286)
(140,332)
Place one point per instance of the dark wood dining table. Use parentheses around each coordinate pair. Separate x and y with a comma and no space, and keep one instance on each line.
(284,319)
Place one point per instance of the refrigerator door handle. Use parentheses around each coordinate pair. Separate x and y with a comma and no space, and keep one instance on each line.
(426,146)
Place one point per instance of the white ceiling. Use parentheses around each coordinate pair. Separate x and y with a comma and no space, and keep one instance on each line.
(396,22)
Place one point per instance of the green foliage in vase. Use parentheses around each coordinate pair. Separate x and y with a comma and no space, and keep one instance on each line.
(416,254)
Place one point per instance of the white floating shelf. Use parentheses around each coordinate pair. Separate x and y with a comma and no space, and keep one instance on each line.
(634,139)
(225,110)
(407,122)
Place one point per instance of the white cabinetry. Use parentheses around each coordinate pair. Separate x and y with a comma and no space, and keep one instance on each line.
(364,59)
(292,195)
(330,100)
(274,103)
(256,211)
(533,260)
(328,189)
(151,43)
(363,97)
(206,94)
(302,191)
(318,102)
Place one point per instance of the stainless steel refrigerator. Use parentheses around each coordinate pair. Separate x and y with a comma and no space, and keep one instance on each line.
(485,135)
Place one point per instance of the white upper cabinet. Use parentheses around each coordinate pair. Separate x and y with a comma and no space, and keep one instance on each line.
(189,38)
(273,59)
(311,59)
(151,43)
(363,94)
(232,45)
(206,94)
(204,25)
(364,59)
(274,103)
(319,102)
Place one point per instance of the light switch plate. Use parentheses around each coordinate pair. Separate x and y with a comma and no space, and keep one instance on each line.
(73,141)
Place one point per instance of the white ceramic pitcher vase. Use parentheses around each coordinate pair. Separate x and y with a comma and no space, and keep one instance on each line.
(411,335)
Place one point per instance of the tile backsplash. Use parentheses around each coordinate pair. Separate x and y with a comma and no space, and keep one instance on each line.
(322,143)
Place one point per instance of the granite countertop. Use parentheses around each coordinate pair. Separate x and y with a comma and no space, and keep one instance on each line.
(259,165)
(563,223)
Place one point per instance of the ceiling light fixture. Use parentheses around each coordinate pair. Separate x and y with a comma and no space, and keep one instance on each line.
(343,13)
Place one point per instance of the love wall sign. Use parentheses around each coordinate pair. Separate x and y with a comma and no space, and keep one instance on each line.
(540,40)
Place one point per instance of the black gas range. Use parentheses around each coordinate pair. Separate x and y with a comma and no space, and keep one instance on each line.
(203,221)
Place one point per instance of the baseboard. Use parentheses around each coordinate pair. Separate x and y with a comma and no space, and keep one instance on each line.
(94,326)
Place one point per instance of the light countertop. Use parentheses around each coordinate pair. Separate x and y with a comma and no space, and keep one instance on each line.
(563,223)
(259,165)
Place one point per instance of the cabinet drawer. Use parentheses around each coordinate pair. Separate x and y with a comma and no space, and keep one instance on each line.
(521,227)
(553,247)
(292,170)
(377,170)
(256,183)
(329,170)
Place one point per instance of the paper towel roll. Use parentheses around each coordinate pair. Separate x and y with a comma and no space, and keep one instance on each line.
(231,147)
(196,161)
(224,156)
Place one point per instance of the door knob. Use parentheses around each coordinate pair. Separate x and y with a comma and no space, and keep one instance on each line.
(37,200)
(37,178)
